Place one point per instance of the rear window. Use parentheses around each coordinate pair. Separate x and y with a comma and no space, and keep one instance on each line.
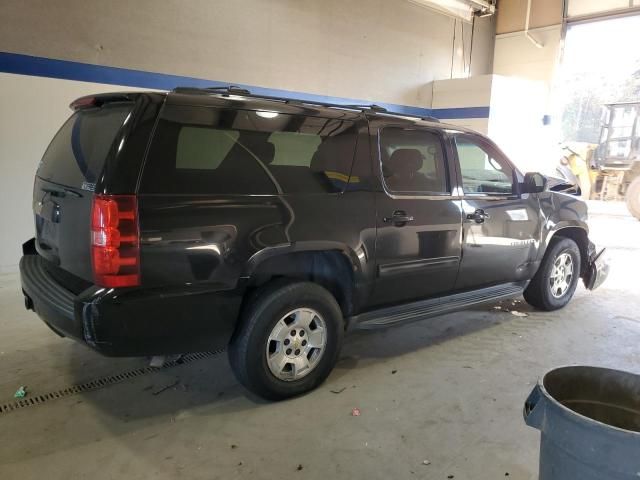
(76,155)
(205,150)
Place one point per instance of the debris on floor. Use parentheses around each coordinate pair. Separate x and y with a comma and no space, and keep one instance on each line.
(299,467)
(340,390)
(426,462)
(393,372)
(355,412)
(166,387)
(21,392)
(157,361)
(519,314)
(233,446)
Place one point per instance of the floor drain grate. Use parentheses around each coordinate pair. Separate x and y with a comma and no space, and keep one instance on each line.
(101,382)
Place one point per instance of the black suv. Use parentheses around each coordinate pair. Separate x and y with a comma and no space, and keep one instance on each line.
(202,219)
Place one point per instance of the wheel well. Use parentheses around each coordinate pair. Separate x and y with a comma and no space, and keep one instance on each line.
(330,269)
(578,235)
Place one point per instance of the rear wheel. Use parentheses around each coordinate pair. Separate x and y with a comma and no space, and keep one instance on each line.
(633,198)
(288,341)
(556,280)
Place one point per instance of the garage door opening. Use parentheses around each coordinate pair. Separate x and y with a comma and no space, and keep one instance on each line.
(598,100)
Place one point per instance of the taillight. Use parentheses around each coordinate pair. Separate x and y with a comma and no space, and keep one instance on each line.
(115,243)
(83,102)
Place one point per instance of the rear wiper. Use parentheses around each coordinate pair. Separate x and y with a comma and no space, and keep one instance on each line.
(60,192)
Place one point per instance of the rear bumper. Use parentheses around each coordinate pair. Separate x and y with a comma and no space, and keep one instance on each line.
(132,322)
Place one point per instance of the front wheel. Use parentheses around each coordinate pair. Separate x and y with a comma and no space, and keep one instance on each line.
(288,340)
(633,198)
(556,280)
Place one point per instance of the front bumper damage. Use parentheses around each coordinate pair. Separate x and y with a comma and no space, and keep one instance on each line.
(597,268)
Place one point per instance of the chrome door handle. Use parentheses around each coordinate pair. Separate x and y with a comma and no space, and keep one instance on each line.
(399,218)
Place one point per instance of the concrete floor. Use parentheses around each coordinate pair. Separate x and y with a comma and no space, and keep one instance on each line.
(448,390)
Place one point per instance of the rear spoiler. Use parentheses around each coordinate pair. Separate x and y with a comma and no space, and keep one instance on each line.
(91,101)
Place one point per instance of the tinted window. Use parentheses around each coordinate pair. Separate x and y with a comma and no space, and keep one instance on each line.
(483,170)
(203,148)
(412,161)
(209,150)
(77,153)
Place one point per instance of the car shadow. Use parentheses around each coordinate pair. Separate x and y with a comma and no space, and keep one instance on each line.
(206,388)
(210,384)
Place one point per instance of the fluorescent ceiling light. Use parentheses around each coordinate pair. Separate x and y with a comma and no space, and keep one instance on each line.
(460,9)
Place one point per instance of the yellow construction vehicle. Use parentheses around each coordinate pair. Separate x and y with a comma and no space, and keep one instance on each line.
(616,160)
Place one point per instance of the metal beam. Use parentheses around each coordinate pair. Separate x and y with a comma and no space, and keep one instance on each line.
(604,15)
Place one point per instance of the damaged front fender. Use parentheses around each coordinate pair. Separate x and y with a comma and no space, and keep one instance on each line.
(597,269)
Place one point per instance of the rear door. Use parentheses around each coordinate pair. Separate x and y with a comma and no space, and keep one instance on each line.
(501,229)
(66,179)
(418,219)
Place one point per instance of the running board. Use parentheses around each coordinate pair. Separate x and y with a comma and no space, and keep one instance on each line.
(422,309)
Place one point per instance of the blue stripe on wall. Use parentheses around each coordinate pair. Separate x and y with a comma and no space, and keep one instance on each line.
(86,72)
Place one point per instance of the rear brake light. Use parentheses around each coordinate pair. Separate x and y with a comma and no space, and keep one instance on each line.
(83,102)
(115,241)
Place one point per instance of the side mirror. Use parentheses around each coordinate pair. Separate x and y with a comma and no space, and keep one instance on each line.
(534,182)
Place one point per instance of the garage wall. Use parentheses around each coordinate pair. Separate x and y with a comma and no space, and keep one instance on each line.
(382,51)
(517,55)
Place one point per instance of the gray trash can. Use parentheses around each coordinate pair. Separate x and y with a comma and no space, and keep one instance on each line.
(589,419)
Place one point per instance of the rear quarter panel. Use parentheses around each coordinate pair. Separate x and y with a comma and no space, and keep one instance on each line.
(191,239)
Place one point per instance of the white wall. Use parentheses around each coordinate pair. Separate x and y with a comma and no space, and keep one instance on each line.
(516,107)
(516,55)
(364,49)
(463,93)
(515,123)
(376,50)
(523,95)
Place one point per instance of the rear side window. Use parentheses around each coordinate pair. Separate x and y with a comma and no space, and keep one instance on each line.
(205,150)
(77,154)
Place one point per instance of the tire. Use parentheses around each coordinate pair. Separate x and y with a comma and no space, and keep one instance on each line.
(633,198)
(542,292)
(254,344)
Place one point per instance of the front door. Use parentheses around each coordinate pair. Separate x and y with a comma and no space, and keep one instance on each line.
(501,229)
(418,219)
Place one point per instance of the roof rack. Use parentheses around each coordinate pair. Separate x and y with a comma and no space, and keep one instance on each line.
(230,89)
(234,90)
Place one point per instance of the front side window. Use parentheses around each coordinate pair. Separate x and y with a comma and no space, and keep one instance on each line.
(412,161)
(483,170)
(208,150)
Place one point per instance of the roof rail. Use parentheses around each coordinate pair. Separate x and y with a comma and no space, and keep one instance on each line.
(234,90)
(229,89)
(373,107)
